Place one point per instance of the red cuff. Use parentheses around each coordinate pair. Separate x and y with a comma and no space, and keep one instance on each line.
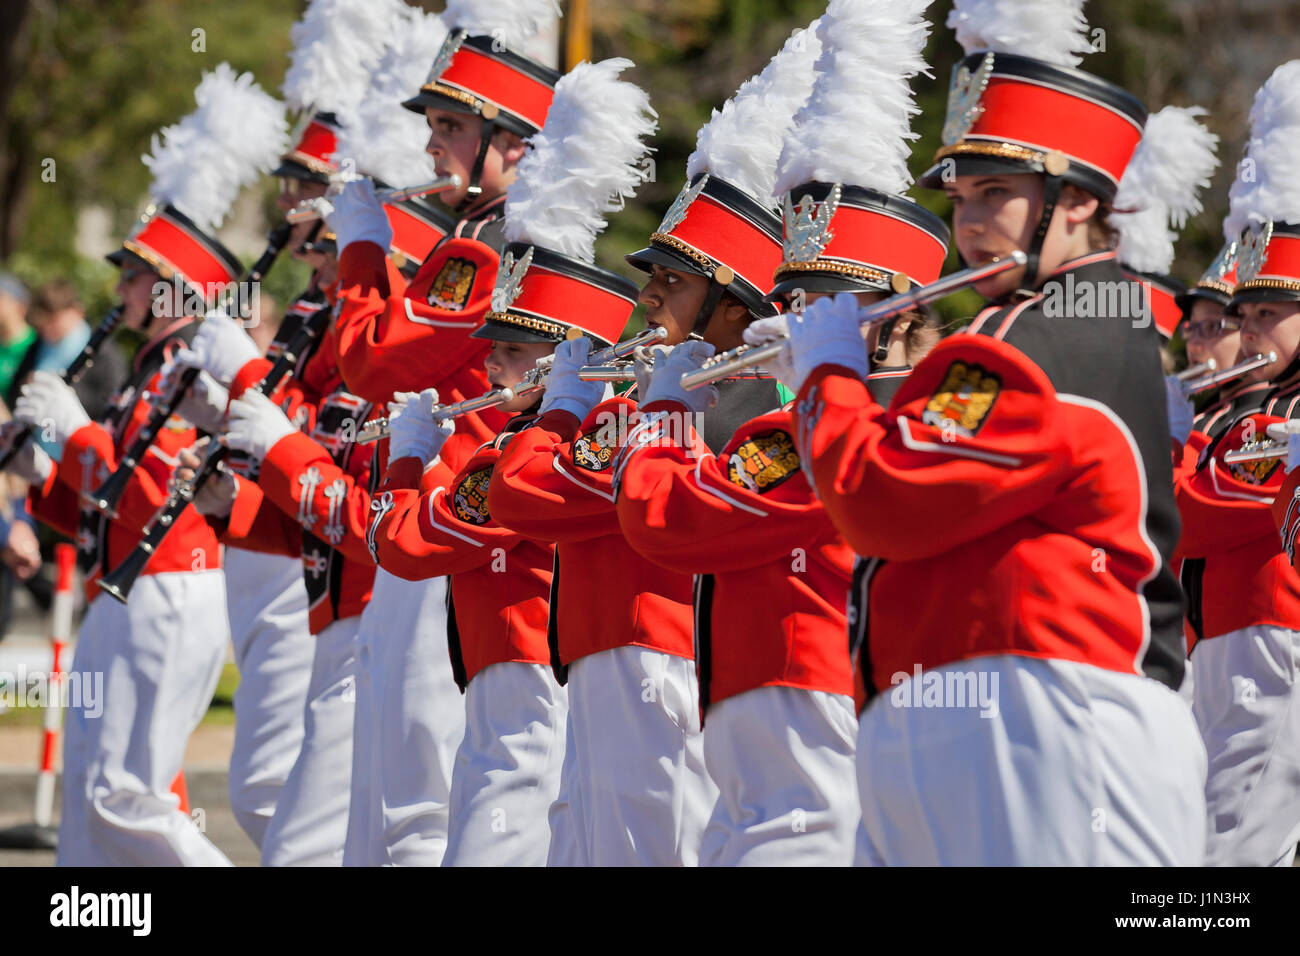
(249,375)
(559,422)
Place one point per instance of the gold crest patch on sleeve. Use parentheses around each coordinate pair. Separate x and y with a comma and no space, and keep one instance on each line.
(594,451)
(964,400)
(452,285)
(469,501)
(764,461)
(1256,472)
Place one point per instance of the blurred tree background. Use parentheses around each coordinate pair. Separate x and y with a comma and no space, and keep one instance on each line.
(85,83)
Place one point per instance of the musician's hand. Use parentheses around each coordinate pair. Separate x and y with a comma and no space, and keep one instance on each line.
(666,378)
(50,406)
(1179,407)
(1286,432)
(31,464)
(22,552)
(220,347)
(255,424)
(204,404)
(413,431)
(357,215)
(764,331)
(644,358)
(826,333)
(564,390)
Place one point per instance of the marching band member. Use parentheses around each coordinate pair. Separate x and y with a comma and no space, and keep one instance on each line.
(776,682)
(160,654)
(1018,492)
(1246,585)
(507,770)
(642,795)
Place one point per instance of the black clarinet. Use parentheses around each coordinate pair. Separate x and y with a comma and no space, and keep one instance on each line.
(104,499)
(122,578)
(71,375)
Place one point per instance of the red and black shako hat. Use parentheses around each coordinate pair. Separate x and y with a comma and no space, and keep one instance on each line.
(585,162)
(1009,112)
(1264,201)
(199,167)
(715,230)
(311,158)
(723,225)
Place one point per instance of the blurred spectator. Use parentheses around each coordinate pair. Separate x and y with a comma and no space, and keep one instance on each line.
(62,331)
(16,336)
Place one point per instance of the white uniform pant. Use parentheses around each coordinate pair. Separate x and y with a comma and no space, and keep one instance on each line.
(1073,766)
(410,720)
(150,668)
(267,604)
(311,816)
(1248,708)
(788,793)
(633,789)
(507,771)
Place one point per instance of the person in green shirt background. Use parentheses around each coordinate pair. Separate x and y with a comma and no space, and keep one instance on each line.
(16,336)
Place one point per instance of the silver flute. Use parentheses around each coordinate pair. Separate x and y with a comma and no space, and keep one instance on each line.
(728,363)
(534,381)
(1256,450)
(1205,383)
(626,372)
(310,209)
(1196,371)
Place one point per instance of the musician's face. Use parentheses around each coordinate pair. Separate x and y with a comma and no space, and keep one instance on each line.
(292,192)
(1211,335)
(1271,327)
(673,298)
(994,215)
(508,362)
(135,287)
(453,144)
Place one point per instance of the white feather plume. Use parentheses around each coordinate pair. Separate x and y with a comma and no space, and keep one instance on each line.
(1162,185)
(742,142)
(513,22)
(584,162)
(383,138)
(201,163)
(857,121)
(1051,30)
(336,45)
(1268,185)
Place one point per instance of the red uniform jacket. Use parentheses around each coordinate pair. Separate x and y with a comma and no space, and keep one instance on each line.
(311,493)
(91,454)
(1230,563)
(1017,493)
(771,571)
(500,580)
(405,340)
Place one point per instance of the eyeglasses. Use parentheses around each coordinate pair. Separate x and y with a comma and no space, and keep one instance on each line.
(1211,329)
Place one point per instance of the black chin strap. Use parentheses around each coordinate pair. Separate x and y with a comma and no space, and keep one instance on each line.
(475,188)
(1051,195)
(882,341)
(708,307)
(1292,368)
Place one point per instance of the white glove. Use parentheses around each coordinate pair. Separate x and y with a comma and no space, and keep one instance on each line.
(356,215)
(221,347)
(50,407)
(666,378)
(644,360)
(1180,410)
(256,424)
(763,331)
(413,432)
(204,404)
(827,333)
(31,464)
(564,390)
(1287,431)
